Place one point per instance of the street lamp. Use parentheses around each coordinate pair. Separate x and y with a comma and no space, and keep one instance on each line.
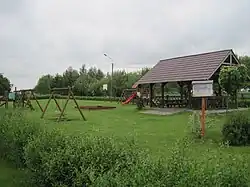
(112,68)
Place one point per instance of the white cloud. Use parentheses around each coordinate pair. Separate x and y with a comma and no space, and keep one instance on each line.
(39,37)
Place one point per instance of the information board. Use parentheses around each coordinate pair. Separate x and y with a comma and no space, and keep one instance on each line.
(202,88)
(105,87)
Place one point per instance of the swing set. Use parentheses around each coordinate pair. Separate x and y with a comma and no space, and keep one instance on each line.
(62,109)
(22,98)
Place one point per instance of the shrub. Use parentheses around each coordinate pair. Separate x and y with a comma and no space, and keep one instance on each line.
(195,125)
(236,129)
(15,133)
(54,158)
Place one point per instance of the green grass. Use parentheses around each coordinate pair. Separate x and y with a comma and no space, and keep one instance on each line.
(155,134)
(10,176)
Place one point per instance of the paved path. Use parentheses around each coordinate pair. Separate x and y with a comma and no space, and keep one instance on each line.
(170,111)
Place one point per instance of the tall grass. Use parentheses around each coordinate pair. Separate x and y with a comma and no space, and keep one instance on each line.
(55,159)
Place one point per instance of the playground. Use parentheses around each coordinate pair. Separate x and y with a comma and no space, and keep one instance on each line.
(155,133)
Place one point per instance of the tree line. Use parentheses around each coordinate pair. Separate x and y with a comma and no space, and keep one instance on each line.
(89,82)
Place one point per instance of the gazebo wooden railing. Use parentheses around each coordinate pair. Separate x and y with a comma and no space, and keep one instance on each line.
(214,102)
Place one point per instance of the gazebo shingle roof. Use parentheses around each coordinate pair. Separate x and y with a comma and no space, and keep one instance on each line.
(187,68)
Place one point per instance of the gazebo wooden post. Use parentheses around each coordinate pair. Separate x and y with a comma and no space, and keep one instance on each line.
(189,94)
(162,94)
(151,85)
(181,89)
(181,85)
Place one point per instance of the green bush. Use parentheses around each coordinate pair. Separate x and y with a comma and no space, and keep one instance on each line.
(79,160)
(236,129)
(54,158)
(15,132)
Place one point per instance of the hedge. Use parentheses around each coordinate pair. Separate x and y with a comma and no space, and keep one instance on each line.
(93,98)
(54,158)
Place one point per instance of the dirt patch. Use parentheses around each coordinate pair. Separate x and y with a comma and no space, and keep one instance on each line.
(99,107)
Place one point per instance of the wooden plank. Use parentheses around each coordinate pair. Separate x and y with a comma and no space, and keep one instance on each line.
(60,89)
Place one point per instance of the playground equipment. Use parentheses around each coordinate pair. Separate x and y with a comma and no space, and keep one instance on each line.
(4,100)
(126,94)
(22,98)
(62,110)
(130,98)
(130,95)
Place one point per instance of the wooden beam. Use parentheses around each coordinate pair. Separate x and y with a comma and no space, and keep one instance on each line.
(151,94)
(60,89)
(162,94)
(190,95)
(231,60)
(226,63)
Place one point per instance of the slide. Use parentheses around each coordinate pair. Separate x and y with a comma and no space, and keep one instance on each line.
(129,99)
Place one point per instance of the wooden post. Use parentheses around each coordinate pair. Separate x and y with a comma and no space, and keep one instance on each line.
(189,95)
(62,110)
(162,95)
(203,116)
(46,106)
(181,91)
(14,101)
(151,94)
(6,98)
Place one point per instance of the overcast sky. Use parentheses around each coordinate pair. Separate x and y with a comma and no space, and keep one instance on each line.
(46,36)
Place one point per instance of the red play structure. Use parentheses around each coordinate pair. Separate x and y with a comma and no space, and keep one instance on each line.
(129,99)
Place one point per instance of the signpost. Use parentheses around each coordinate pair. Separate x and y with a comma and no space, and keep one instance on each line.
(203,89)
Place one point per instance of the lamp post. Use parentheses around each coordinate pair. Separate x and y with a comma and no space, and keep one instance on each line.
(112,68)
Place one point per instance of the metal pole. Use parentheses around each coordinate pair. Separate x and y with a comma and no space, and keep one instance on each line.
(112,71)
(111,84)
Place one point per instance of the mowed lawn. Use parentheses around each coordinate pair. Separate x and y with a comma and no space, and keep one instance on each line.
(155,134)
(11,176)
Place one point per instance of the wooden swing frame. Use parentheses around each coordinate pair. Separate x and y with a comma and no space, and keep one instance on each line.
(4,99)
(26,101)
(62,110)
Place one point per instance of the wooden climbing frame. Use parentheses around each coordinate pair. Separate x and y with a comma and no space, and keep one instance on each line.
(62,110)
(4,100)
(23,99)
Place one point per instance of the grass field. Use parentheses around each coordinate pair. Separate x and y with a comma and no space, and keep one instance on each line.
(155,134)
(10,176)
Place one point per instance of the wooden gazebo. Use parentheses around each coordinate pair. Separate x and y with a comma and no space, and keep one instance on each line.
(183,70)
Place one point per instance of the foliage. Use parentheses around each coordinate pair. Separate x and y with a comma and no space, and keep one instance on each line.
(232,78)
(92,98)
(44,84)
(246,61)
(13,136)
(236,129)
(195,125)
(56,159)
(70,76)
(4,85)
(89,82)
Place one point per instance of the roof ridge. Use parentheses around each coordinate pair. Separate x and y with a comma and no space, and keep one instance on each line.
(197,54)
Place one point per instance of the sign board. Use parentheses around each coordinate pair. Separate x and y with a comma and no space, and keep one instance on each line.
(12,96)
(105,87)
(202,88)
